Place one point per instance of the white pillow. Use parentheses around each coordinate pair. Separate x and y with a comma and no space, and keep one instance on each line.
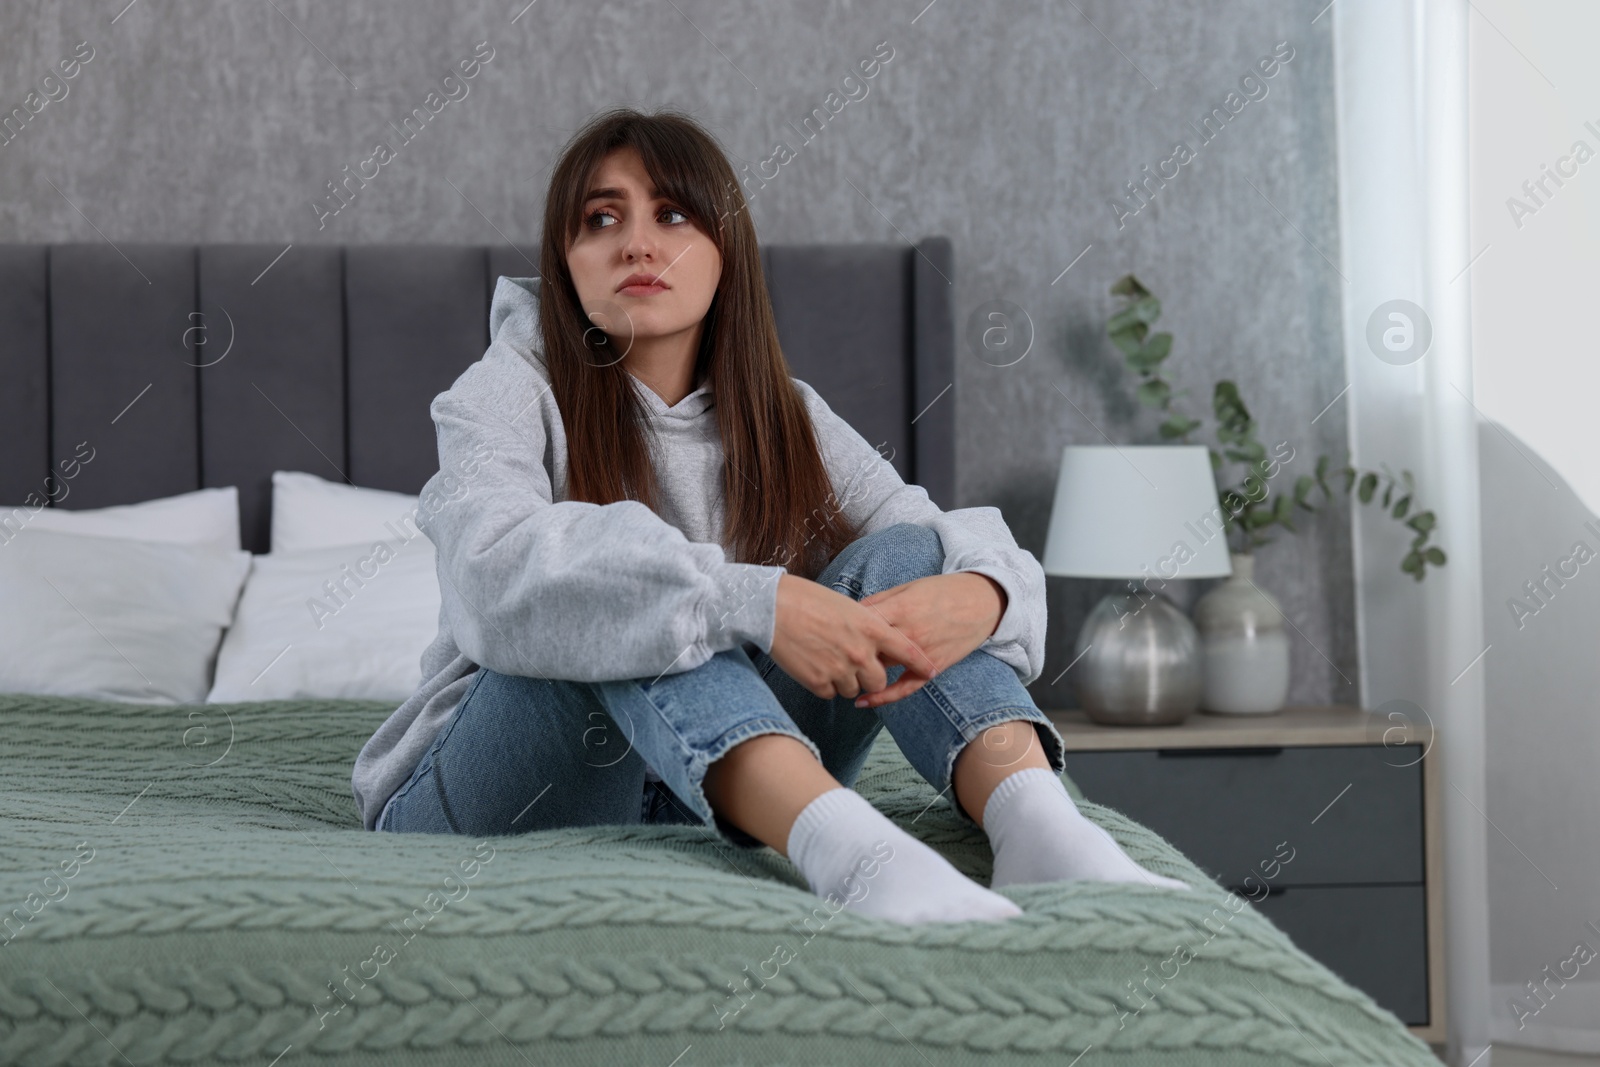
(204,517)
(312,512)
(347,622)
(114,618)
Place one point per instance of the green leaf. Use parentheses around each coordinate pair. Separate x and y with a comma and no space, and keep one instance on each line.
(1369,482)
(1154,392)
(1401,505)
(1422,522)
(1282,508)
(1129,340)
(1302,486)
(1178,426)
(1225,400)
(1150,355)
(1412,563)
(1232,426)
(1386,491)
(1145,311)
(1257,517)
(1128,285)
(1435,555)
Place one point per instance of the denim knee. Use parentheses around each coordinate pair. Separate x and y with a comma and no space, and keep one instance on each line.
(519,754)
(884,559)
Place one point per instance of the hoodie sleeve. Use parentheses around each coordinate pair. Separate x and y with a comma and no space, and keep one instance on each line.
(873,494)
(569,589)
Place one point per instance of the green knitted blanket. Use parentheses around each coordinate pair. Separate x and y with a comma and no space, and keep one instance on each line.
(191,885)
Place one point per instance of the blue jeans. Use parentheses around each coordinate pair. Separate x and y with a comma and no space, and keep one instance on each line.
(523,754)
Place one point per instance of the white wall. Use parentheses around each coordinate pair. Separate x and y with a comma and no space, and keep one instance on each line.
(1534,85)
(1534,289)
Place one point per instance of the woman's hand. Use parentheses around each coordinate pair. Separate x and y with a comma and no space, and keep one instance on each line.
(945,615)
(834,646)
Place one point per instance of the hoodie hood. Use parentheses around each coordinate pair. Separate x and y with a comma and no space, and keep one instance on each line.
(514,315)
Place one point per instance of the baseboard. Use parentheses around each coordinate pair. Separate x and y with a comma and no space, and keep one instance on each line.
(1569,1021)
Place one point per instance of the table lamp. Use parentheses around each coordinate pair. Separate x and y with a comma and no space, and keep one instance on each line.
(1147,513)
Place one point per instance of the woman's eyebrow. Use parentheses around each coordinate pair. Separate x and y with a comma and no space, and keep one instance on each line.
(611,193)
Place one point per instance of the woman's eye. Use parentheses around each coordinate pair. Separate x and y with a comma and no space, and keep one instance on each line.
(593,223)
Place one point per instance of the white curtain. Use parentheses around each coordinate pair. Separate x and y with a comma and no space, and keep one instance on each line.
(1402,104)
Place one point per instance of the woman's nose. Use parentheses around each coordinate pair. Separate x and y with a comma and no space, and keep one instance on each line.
(639,242)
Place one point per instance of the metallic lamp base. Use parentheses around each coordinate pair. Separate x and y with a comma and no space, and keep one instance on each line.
(1143,663)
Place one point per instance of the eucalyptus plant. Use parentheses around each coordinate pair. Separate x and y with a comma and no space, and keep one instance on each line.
(1250,508)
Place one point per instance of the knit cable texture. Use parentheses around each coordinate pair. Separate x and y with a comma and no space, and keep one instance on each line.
(232,907)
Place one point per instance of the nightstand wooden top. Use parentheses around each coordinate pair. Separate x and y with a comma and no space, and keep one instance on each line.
(1294,725)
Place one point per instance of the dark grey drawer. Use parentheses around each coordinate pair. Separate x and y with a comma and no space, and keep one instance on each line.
(1374,937)
(1228,809)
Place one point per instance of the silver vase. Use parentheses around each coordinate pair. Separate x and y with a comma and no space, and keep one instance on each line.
(1138,660)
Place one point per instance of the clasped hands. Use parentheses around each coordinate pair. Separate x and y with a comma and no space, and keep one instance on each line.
(836,646)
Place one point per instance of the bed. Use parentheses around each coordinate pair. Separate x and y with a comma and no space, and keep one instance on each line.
(189,883)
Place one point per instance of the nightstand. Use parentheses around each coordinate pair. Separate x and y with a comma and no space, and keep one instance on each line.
(1354,796)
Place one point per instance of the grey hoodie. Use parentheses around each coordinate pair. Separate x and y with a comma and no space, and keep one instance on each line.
(536,585)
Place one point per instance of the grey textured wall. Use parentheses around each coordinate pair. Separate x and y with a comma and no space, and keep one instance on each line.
(1012,128)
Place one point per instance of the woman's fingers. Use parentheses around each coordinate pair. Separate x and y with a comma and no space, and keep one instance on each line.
(839,647)
(908,682)
(871,678)
(897,647)
(894,647)
(863,669)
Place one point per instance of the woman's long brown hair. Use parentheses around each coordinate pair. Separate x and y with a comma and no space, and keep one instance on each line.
(780,505)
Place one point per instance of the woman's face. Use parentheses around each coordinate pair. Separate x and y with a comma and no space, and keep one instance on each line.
(627,230)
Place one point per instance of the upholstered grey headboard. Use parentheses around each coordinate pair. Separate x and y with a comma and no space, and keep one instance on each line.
(333,355)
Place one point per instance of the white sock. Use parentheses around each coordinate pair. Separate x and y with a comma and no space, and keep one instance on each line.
(846,847)
(1039,835)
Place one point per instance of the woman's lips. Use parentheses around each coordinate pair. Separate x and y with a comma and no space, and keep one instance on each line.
(642,290)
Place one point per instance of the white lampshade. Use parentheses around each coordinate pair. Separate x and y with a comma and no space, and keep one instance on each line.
(1136,511)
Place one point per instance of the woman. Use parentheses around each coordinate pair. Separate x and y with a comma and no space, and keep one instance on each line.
(676,587)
